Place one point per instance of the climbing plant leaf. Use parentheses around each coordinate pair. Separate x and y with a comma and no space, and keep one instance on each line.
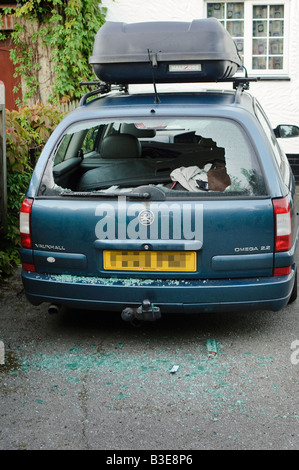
(64,30)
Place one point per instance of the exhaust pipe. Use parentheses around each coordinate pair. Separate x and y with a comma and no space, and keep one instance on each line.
(53,308)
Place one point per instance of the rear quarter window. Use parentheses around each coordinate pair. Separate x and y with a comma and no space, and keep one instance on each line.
(279,156)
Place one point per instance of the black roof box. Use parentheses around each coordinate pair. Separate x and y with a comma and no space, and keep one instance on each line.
(197,51)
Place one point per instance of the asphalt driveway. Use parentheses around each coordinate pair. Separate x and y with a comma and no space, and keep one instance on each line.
(87,380)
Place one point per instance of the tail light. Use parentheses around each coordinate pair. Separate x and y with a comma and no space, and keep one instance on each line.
(283,224)
(25,223)
(283,231)
(25,229)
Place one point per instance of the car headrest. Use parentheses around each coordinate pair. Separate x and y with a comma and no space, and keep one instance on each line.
(120,146)
(132,129)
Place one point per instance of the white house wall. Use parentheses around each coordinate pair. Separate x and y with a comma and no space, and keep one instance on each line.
(131,11)
(280,99)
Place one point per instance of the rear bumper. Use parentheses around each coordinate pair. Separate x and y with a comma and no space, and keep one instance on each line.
(192,296)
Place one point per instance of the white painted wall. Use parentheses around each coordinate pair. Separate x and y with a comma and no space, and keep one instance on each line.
(131,11)
(280,99)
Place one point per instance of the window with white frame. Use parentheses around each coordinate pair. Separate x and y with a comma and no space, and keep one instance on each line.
(259,29)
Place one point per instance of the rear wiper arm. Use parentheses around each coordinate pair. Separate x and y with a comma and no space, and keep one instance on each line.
(141,195)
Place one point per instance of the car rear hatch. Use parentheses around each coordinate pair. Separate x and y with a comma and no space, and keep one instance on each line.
(153,239)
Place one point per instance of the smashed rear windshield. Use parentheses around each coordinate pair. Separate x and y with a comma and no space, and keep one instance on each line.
(189,157)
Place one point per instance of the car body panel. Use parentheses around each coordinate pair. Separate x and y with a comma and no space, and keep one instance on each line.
(185,296)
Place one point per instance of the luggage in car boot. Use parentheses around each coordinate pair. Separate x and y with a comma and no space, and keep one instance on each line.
(166,52)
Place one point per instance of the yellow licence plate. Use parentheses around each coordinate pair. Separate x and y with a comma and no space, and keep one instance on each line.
(149,260)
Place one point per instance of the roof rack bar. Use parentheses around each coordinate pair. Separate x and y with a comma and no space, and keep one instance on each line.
(239,84)
(243,81)
(103,88)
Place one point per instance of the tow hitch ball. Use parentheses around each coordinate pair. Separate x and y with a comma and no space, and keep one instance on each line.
(146,312)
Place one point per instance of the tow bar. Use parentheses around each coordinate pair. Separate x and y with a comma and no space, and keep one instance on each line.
(146,312)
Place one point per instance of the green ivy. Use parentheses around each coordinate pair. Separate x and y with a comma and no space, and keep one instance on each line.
(68,29)
(27,131)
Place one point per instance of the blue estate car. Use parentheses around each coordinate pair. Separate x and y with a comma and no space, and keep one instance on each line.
(145,203)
